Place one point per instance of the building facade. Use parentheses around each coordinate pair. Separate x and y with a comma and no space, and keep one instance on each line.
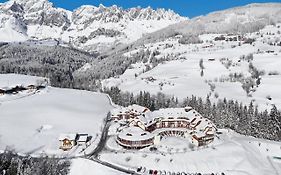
(173,122)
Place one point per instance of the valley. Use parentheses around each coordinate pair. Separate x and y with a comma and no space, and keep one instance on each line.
(139,90)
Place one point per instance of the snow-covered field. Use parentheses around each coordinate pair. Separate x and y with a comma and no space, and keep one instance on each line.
(32,124)
(181,75)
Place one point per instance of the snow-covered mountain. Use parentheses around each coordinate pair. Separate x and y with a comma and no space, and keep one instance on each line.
(88,28)
(168,60)
(239,20)
(219,66)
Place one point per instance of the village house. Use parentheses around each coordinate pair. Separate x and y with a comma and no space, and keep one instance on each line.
(67,141)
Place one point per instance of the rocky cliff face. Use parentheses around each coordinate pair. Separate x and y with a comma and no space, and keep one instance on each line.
(39,19)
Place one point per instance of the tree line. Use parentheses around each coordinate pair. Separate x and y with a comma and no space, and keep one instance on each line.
(13,164)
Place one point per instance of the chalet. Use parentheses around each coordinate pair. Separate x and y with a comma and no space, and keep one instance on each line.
(67,141)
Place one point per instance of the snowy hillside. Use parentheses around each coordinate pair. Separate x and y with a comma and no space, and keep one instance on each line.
(239,20)
(222,65)
(32,121)
(88,28)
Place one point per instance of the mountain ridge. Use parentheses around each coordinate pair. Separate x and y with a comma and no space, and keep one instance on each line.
(42,20)
(232,20)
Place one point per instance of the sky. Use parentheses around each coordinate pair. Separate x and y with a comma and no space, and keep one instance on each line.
(189,8)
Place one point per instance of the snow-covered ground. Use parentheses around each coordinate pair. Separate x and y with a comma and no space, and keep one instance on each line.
(181,75)
(87,167)
(231,154)
(32,124)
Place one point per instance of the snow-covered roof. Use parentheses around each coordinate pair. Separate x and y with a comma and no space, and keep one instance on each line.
(199,134)
(201,125)
(135,134)
(82,138)
(69,136)
(175,113)
(132,108)
(157,131)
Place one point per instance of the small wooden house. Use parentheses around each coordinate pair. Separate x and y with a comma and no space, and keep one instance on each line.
(67,141)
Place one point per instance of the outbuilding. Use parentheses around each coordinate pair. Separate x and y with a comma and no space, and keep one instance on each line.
(82,139)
